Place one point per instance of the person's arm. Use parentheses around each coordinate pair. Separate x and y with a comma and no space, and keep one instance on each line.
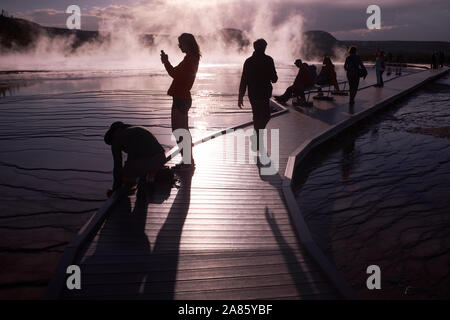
(243,86)
(273,71)
(346,64)
(174,72)
(117,172)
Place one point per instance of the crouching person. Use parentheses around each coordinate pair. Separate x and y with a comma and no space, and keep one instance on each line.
(145,154)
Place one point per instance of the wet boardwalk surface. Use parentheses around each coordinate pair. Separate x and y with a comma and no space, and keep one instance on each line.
(226,232)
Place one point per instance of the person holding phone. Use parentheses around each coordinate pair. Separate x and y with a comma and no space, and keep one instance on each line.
(183,79)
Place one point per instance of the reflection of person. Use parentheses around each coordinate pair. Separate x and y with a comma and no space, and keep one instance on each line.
(355,68)
(183,79)
(145,154)
(258,75)
(303,80)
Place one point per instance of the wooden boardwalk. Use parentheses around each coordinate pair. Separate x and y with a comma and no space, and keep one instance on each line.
(226,233)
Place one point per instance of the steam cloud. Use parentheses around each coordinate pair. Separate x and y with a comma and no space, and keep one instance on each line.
(167,19)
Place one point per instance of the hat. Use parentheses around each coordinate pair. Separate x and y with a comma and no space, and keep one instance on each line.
(109,134)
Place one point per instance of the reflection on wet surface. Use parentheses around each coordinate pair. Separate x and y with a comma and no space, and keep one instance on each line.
(379,195)
(54,166)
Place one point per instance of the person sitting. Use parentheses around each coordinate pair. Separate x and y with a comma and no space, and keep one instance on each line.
(303,80)
(327,75)
(145,154)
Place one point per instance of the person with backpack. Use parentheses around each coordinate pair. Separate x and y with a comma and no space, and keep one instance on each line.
(355,69)
(145,154)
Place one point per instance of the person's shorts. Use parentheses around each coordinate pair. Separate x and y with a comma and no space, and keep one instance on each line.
(179,115)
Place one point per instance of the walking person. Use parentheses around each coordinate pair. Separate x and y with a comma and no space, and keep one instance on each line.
(258,75)
(355,69)
(379,68)
(183,79)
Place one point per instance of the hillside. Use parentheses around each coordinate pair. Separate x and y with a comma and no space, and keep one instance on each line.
(21,35)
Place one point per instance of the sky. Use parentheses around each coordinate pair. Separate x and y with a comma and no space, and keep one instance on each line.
(345,19)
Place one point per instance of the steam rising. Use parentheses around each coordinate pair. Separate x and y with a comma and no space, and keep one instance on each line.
(124,26)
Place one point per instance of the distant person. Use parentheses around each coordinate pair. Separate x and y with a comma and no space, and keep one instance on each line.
(327,75)
(398,63)
(304,79)
(380,66)
(434,60)
(441,59)
(145,154)
(258,75)
(389,64)
(355,69)
(183,79)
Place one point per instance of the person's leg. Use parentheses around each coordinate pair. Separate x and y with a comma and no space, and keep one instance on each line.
(335,84)
(138,167)
(180,120)
(261,116)
(353,82)
(286,95)
(381,78)
(300,92)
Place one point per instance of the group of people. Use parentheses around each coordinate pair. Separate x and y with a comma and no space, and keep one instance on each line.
(437,60)
(306,79)
(146,155)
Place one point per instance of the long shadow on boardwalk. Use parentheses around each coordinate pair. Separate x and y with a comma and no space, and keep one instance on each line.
(298,270)
(140,271)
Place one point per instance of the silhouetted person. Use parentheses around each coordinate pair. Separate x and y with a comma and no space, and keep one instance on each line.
(183,79)
(303,80)
(145,154)
(389,63)
(441,59)
(399,61)
(355,69)
(434,60)
(327,75)
(380,66)
(258,75)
